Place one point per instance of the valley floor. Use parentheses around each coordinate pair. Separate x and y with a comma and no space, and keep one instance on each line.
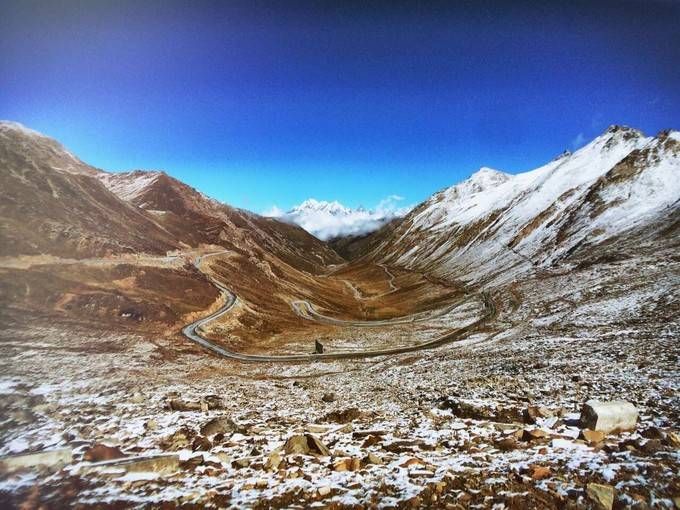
(489,420)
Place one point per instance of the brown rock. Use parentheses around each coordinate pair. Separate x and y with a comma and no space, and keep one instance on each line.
(305,444)
(506,444)
(100,452)
(593,436)
(328,397)
(343,416)
(201,444)
(219,425)
(540,472)
(274,461)
(532,412)
(601,495)
(534,434)
(343,464)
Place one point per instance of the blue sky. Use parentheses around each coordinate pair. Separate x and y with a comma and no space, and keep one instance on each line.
(260,103)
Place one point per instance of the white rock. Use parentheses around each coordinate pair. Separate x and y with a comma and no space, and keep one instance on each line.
(607,417)
(49,458)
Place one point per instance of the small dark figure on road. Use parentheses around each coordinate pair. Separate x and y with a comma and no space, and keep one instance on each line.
(318,347)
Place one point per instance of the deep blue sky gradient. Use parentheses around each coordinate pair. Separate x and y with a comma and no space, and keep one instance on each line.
(261,103)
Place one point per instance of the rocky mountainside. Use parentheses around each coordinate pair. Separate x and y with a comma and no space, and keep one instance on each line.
(55,204)
(495,226)
(80,244)
(195,218)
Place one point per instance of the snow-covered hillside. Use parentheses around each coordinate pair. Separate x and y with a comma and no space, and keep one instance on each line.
(621,180)
(328,220)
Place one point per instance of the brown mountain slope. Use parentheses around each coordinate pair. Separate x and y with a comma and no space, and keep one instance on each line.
(53,203)
(80,244)
(195,218)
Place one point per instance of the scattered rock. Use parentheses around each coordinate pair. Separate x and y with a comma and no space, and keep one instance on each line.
(219,425)
(151,425)
(99,452)
(207,403)
(372,458)
(601,495)
(540,472)
(532,412)
(593,436)
(179,440)
(534,434)
(506,444)
(202,444)
(328,397)
(343,416)
(305,444)
(608,417)
(347,464)
(324,491)
(274,461)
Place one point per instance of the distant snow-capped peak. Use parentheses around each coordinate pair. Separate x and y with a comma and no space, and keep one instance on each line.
(331,219)
(312,205)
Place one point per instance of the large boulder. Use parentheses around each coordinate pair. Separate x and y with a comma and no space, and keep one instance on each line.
(608,417)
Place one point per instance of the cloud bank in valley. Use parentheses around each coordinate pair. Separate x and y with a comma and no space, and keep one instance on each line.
(328,220)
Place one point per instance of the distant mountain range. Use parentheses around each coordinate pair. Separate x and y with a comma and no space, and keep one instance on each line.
(332,220)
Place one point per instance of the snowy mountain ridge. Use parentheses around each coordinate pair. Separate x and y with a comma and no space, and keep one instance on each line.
(620,180)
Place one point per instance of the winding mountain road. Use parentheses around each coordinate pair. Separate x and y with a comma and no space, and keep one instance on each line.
(192,331)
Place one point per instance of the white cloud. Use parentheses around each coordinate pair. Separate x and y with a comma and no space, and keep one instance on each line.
(273,212)
(327,220)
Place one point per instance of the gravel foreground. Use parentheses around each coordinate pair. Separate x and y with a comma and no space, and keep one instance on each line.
(490,421)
